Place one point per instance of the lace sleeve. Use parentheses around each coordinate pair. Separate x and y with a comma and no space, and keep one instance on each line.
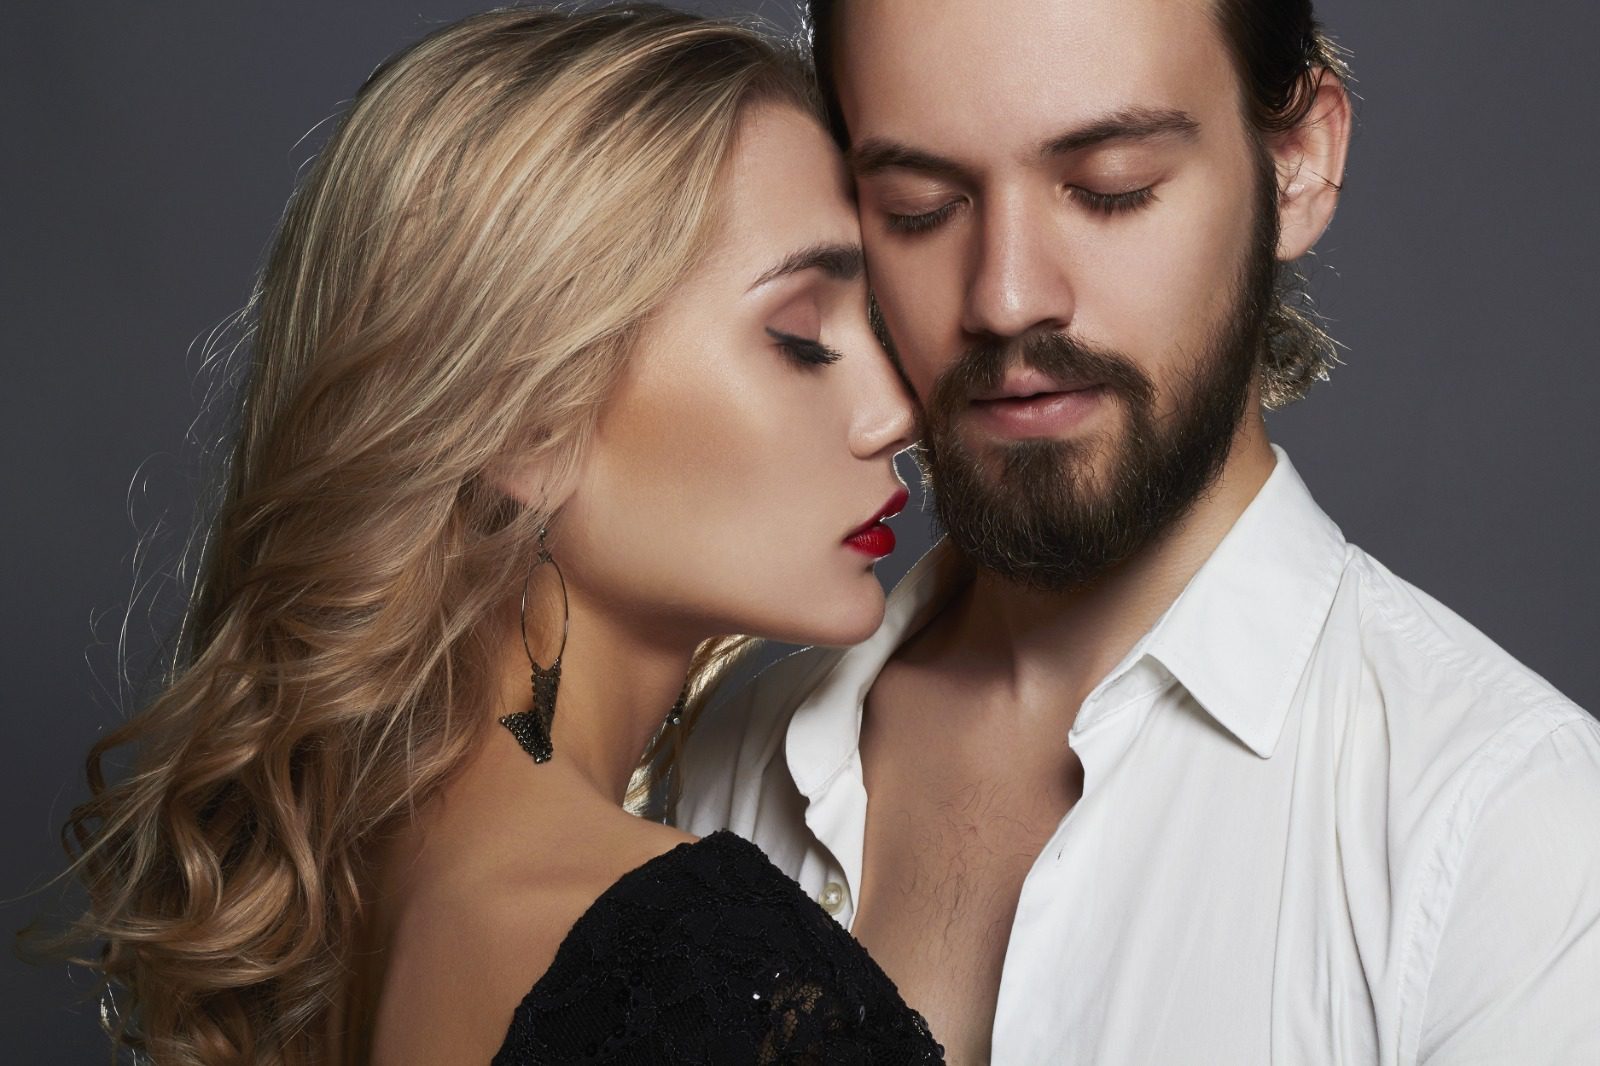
(709,954)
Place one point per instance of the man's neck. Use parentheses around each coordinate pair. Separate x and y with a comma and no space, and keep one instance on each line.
(1050,649)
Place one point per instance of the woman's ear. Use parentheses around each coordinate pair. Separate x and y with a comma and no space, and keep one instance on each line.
(1309,160)
(535,481)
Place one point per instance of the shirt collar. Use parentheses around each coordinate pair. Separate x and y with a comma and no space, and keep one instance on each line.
(825,730)
(1239,636)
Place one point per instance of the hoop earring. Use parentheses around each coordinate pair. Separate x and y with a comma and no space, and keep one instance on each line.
(532,727)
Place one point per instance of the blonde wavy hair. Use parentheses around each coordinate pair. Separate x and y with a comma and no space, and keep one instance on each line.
(456,284)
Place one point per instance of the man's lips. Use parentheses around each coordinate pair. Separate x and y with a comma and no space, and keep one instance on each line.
(1028,404)
(874,538)
(1025,383)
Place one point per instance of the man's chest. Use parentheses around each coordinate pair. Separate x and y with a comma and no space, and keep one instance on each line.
(953,827)
(948,871)
(1027,917)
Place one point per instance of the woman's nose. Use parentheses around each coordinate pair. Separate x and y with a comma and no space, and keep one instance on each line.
(886,418)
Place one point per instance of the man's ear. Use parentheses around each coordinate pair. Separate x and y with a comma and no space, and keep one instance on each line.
(1309,160)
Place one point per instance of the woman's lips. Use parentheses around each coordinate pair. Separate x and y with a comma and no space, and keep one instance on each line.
(872,537)
(876,542)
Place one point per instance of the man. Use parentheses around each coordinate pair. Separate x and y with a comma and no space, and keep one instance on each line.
(1147,764)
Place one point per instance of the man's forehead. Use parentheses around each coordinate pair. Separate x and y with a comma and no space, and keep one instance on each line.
(1019,19)
(956,71)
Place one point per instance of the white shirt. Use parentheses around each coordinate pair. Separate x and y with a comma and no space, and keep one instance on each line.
(1324,820)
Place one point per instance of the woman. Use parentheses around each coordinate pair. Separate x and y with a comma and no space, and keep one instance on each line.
(561,369)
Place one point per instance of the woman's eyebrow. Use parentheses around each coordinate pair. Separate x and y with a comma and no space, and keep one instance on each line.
(842,262)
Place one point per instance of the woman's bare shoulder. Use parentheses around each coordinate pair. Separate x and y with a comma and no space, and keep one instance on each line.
(478,927)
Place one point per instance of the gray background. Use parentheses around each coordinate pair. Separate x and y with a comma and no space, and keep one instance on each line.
(150,148)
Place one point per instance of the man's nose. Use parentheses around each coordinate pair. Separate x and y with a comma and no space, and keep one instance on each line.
(1018,272)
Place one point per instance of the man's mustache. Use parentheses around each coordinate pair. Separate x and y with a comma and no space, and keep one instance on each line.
(981,368)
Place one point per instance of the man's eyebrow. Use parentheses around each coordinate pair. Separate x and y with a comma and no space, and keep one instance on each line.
(842,262)
(1133,123)
(875,154)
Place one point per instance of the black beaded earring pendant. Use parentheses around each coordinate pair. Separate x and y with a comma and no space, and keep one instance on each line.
(532,727)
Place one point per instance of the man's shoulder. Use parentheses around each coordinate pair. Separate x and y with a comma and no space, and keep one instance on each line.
(1460,722)
(1490,778)
(1428,662)
(1464,792)
(759,707)
(741,733)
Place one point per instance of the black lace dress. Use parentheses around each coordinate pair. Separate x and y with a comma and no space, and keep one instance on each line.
(709,954)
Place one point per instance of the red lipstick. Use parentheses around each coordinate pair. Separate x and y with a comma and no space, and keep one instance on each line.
(872,537)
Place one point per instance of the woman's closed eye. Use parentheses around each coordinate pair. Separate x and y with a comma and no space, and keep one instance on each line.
(802,350)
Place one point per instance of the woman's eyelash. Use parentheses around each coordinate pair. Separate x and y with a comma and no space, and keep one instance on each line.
(802,350)
(1104,203)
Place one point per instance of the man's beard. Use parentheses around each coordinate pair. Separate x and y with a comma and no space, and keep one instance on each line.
(1031,511)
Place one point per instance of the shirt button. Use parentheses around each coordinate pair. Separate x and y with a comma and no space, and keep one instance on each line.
(832,897)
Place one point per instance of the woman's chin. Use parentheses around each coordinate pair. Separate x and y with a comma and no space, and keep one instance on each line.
(855,618)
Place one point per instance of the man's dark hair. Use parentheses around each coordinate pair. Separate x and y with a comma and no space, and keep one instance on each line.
(1281,54)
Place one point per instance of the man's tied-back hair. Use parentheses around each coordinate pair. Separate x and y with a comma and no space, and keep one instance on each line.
(1281,54)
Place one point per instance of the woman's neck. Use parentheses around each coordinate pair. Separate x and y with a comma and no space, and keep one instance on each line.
(618,685)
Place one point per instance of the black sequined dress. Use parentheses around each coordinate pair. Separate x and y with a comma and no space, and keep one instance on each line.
(709,954)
